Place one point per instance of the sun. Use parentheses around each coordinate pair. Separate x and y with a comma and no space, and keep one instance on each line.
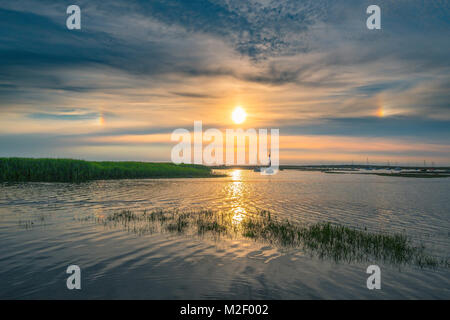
(238,115)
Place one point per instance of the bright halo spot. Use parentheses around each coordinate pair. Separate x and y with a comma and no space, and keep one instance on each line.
(101,120)
(238,115)
(380,112)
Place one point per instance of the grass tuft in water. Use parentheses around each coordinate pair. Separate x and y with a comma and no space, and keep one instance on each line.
(325,240)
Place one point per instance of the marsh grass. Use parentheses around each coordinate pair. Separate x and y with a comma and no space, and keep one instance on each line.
(324,240)
(70,170)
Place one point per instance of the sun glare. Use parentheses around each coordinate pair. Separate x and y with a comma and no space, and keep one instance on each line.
(239,115)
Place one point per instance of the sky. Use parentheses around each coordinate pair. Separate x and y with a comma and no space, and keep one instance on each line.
(138,70)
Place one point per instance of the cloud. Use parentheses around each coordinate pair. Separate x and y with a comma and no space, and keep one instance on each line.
(412,128)
(306,67)
(193,95)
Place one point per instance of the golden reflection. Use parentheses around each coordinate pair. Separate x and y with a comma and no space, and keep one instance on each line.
(236,197)
(236,175)
(239,215)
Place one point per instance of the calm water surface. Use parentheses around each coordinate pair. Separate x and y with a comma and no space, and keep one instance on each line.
(43,230)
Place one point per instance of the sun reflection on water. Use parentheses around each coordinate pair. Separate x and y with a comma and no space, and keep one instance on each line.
(236,175)
(239,215)
(236,197)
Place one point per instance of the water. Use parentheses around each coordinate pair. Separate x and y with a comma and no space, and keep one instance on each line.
(44,228)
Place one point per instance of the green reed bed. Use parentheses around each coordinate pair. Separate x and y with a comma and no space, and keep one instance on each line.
(69,170)
(325,240)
